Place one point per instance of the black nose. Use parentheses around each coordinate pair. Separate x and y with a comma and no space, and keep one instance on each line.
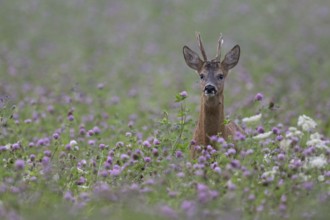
(209,89)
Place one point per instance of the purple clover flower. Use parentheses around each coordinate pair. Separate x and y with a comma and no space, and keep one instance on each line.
(19,164)
(147,159)
(235,164)
(32,157)
(45,161)
(183,94)
(70,118)
(178,154)
(68,196)
(146,144)
(156,141)
(280,156)
(155,152)
(169,212)
(102,146)
(188,207)
(260,129)
(258,97)
(96,130)
(48,153)
(56,135)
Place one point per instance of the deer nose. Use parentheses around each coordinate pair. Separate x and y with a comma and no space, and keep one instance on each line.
(209,89)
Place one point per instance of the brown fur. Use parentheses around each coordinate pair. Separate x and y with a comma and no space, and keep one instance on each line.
(213,73)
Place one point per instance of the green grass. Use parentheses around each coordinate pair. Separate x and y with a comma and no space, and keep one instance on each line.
(118,66)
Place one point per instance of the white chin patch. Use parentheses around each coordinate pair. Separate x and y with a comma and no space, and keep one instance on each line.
(209,94)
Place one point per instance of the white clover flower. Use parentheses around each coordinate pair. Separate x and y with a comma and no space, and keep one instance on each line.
(56,177)
(263,135)
(315,136)
(294,132)
(267,158)
(252,119)
(320,178)
(317,161)
(315,140)
(73,143)
(306,123)
(270,173)
(80,170)
(285,144)
(7,146)
(304,177)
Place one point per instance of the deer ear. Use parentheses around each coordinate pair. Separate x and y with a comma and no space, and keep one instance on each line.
(231,58)
(192,59)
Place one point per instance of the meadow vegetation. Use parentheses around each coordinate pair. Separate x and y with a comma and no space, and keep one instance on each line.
(98,107)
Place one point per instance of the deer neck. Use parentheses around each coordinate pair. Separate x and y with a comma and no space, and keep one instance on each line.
(211,119)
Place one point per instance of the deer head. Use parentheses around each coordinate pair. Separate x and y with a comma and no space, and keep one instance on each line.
(214,72)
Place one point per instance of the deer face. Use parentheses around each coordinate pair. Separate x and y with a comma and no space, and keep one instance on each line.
(212,73)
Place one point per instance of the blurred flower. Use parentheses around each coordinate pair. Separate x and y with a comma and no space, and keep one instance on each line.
(295,163)
(81,181)
(320,178)
(230,185)
(251,197)
(201,159)
(124,157)
(73,143)
(279,137)
(316,141)
(262,135)
(146,143)
(280,156)
(70,117)
(48,153)
(308,185)
(169,212)
(32,157)
(269,175)
(100,86)
(316,162)
(276,130)
(56,135)
(258,97)
(183,94)
(189,207)
(147,159)
(285,144)
(293,132)
(306,123)
(96,130)
(178,154)
(115,172)
(156,141)
(252,119)
(235,164)
(68,196)
(19,164)
(91,142)
(231,151)
(260,130)
(217,170)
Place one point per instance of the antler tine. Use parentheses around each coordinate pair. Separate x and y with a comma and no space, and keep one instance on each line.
(200,44)
(220,42)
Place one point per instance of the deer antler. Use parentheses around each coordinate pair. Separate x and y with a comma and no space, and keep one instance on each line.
(220,42)
(200,44)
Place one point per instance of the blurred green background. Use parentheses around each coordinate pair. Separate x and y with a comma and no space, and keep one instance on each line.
(134,48)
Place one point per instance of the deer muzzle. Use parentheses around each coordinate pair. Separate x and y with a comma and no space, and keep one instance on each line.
(210,90)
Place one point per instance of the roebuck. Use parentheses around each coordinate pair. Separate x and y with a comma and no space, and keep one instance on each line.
(212,75)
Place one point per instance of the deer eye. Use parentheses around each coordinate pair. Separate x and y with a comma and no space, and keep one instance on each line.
(220,76)
(201,76)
